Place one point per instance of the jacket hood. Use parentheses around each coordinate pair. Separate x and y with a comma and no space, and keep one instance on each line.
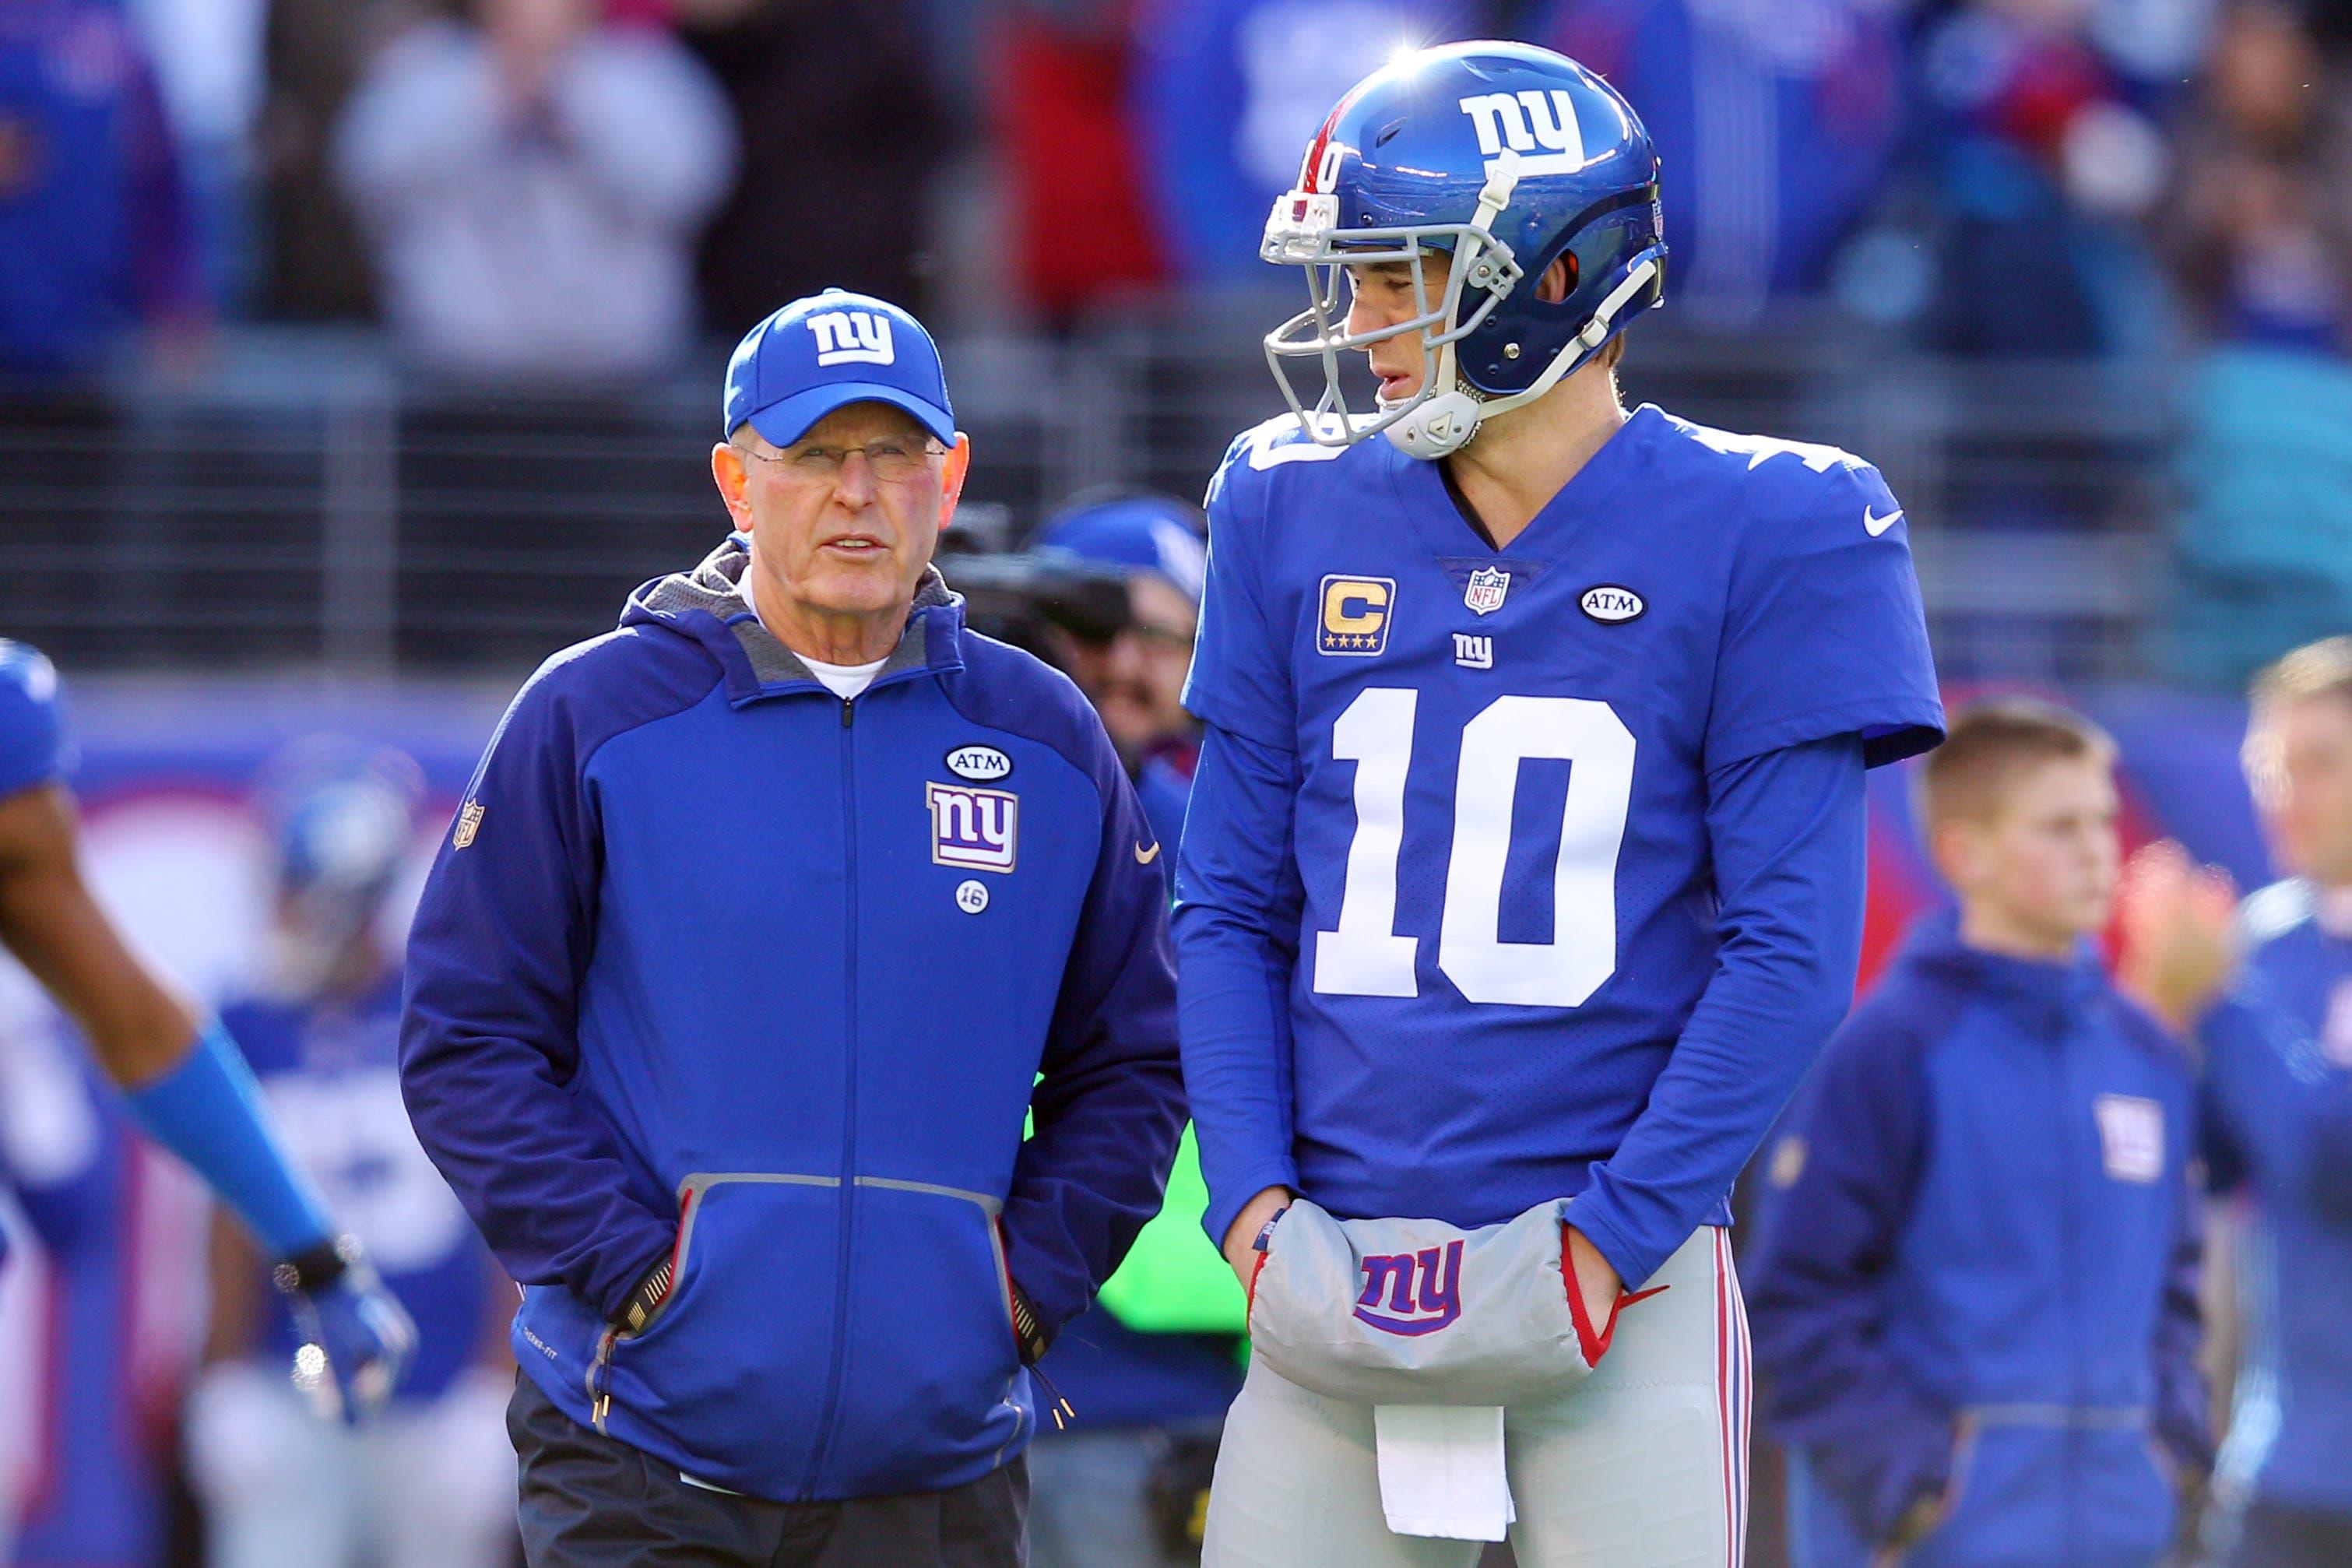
(2045,991)
(710,606)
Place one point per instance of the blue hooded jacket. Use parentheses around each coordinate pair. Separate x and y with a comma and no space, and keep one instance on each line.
(717,967)
(1976,1270)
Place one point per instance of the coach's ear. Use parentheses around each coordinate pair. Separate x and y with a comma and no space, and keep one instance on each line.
(733,478)
(952,486)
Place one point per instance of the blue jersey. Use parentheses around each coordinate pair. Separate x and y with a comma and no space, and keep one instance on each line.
(33,745)
(2278,1064)
(1505,766)
(330,1070)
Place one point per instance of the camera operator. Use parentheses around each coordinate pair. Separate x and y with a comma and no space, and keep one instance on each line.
(1113,587)
(1133,672)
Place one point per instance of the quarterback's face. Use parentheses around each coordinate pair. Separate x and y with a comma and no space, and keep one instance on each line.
(2299,760)
(844,520)
(1385,300)
(2048,859)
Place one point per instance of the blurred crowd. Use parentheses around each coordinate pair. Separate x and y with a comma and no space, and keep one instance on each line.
(576,195)
(2044,177)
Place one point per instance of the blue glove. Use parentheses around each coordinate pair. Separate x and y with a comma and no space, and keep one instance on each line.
(357,1339)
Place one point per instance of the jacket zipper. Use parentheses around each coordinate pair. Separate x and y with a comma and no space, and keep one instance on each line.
(600,1379)
(830,1410)
(2065,1100)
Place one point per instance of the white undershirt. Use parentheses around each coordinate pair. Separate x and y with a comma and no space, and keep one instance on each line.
(845,680)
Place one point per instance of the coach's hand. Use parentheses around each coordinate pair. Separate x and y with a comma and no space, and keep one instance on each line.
(1241,1239)
(356,1338)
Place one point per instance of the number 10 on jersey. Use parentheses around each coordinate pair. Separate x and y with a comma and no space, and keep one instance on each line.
(1367,956)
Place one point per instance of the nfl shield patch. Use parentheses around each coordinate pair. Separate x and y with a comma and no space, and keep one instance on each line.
(972,827)
(1486,588)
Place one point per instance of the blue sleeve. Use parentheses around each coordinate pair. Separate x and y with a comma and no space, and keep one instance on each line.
(1110,1104)
(2273,1101)
(1241,668)
(1238,901)
(488,1043)
(34,748)
(1838,1193)
(1786,832)
(208,1110)
(1824,634)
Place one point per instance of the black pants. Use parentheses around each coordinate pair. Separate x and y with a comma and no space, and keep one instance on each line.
(2270,1536)
(588,1502)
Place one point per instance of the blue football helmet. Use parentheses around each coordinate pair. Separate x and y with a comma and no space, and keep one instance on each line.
(1508,158)
(342,821)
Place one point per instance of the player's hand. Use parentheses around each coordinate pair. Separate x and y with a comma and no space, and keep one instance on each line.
(1596,1279)
(1241,1239)
(2178,929)
(357,1339)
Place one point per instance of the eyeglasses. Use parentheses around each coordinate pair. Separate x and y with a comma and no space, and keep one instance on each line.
(891,460)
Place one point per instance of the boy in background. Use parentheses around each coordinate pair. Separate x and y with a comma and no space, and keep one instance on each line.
(1975,1280)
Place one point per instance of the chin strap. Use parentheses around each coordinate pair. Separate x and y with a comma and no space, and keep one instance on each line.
(1444,424)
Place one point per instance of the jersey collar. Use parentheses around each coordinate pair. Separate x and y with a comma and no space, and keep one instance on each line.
(1441,517)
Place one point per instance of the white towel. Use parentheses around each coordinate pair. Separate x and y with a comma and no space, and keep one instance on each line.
(1442,1470)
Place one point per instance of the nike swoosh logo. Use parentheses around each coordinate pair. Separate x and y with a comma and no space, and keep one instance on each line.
(1146,857)
(1878,525)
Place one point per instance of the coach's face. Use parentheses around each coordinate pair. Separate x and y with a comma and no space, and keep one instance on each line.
(842,523)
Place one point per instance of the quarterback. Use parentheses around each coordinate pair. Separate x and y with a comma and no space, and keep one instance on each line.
(1523,871)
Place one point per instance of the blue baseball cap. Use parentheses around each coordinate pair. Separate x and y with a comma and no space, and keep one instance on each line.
(1135,533)
(820,352)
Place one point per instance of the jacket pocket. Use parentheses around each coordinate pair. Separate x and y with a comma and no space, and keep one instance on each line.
(2006,1502)
(2125,1515)
(732,1371)
(932,1391)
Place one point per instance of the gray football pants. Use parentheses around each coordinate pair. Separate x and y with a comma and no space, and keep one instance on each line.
(1643,1466)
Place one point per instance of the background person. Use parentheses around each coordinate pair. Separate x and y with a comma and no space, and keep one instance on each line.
(795,889)
(1974,1281)
(2278,1103)
(533,182)
(431,1483)
(1151,1367)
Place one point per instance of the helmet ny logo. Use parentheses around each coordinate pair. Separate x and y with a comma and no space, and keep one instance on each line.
(1523,122)
(852,337)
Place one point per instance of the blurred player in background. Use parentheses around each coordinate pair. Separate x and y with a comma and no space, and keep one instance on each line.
(430,1483)
(183,1081)
(1975,1280)
(90,1388)
(2278,1077)
(1150,1368)
(1525,858)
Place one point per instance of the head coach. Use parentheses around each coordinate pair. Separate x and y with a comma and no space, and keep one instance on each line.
(761,916)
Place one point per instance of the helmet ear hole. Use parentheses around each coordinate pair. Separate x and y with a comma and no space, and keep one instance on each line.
(1559,281)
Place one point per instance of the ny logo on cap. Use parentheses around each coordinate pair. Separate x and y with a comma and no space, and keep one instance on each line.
(852,337)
